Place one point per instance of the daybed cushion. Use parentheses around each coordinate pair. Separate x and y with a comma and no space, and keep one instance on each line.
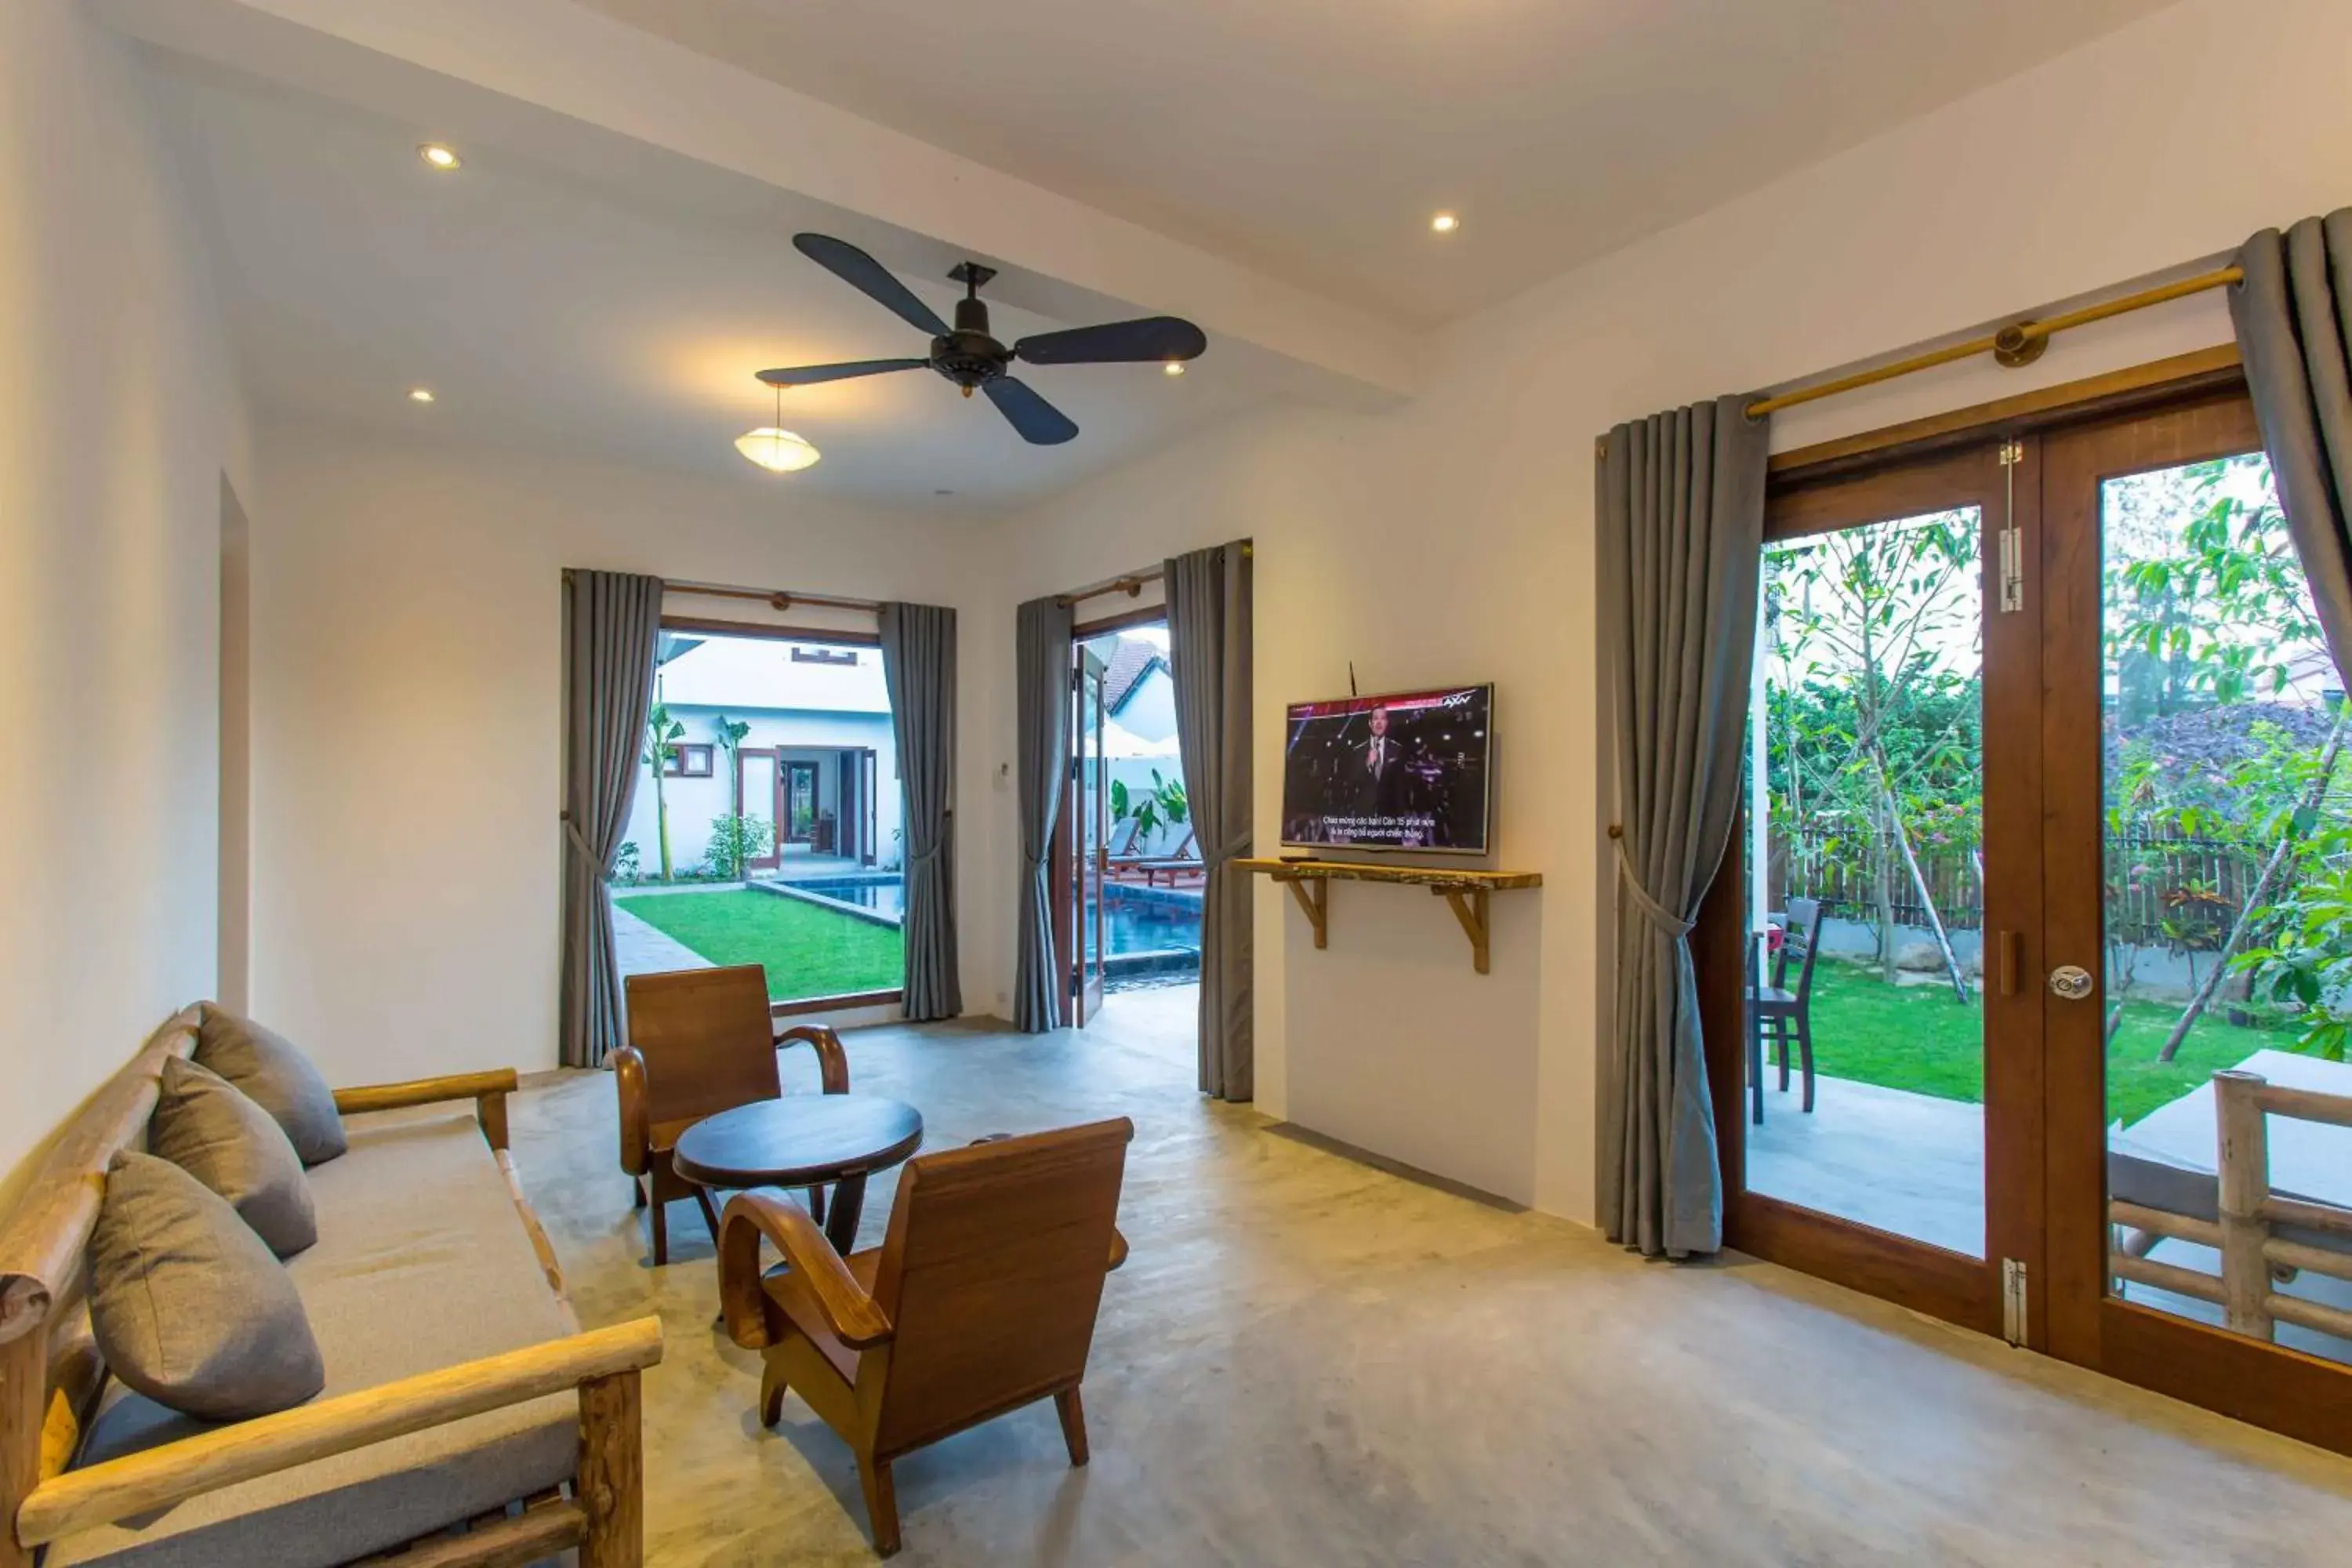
(211,1130)
(422,1263)
(186,1303)
(281,1078)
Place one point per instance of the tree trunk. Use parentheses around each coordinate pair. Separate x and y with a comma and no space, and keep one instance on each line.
(2313,794)
(1926,900)
(1883,892)
(661,817)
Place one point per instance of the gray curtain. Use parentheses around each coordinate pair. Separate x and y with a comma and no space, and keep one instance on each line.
(1681,510)
(1041,665)
(919,667)
(610,622)
(1209,654)
(2293,316)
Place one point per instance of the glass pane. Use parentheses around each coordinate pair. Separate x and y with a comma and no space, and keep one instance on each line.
(1151,902)
(2228,895)
(1866,1025)
(1089,836)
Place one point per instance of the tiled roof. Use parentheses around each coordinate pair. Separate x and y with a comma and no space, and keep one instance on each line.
(1128,663)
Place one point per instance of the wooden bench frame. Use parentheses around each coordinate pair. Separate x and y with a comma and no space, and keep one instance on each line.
(2251,1257)
(50,1372)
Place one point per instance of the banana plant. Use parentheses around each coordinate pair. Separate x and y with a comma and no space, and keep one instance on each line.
(662,735)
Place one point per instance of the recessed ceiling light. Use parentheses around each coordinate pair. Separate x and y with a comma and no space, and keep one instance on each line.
(1173,367)
(1444,223)
(778,451)
(442,158)
(420,395)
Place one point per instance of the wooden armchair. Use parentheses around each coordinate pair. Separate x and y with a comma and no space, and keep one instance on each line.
(980,1299)
(700,1041)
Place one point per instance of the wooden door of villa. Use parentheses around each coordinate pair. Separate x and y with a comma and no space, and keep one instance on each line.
(2078,1123)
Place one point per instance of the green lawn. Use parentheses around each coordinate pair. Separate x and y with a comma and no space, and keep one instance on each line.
(1917,1037)
(808,951)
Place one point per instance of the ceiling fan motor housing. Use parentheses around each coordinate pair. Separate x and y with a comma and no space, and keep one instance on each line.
(970,356)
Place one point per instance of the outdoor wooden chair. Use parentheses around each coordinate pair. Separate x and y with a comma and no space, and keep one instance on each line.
(700,1041)
(980,1299)
(1783,1013)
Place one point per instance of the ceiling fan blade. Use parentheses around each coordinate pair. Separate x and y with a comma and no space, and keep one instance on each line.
(870,278)
(1040,423)
(1116,342)
(810,374)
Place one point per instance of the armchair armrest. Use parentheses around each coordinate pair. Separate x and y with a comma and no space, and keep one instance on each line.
(831,1061)
(159,1478)
(765,1212)
(488,1090)
(637,1110)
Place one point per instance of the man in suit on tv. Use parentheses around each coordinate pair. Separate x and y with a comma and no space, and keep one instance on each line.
(1379,767)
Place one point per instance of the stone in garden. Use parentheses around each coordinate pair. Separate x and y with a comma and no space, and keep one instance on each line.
(1919,957)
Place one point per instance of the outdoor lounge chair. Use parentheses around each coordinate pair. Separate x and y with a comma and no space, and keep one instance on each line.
(1174,866)
(1781,1011)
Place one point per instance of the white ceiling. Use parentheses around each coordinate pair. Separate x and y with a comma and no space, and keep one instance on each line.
(580,315)
(1313,139)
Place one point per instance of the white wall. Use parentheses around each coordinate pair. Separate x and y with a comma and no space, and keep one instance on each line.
(804,736)
(1451,541)
(117,417)
(408,659)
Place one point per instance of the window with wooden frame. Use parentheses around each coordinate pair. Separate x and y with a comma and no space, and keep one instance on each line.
(689,760)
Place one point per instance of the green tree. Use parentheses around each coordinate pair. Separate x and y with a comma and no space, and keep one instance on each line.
(662,735)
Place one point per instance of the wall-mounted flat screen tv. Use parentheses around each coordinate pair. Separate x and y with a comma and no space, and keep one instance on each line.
(1407,770)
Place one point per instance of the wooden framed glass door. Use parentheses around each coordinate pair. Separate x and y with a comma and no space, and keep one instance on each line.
(1086,825)
(2199,846)
(1874,1039)
(797,801)
(758,784)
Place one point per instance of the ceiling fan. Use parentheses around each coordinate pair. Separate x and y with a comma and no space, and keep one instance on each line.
(966,355)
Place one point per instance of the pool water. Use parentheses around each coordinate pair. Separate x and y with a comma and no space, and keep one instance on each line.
(883,896)
(1144,920)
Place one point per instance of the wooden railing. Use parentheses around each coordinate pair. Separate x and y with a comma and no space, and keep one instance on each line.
(2251,1256)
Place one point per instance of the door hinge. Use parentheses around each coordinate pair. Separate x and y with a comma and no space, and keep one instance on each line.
(2012,1301)
(2012,538)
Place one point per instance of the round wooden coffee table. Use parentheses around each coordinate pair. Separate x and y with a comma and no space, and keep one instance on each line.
(803,1141)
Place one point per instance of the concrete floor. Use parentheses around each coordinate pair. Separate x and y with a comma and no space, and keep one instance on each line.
(1910,1163)
(1308,1361)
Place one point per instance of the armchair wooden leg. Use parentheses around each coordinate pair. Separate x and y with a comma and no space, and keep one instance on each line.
(611,1484)
(638,1192)
(661,1230)
(771,1386)
(1073,1412)
(881,1503)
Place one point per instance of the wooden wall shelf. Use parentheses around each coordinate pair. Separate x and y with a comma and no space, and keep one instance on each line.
(1464,893)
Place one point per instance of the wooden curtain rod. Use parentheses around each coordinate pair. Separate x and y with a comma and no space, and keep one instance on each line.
(773,599)
(2019,344)
(1131,585)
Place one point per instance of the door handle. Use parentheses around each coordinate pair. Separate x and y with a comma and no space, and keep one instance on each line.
(2072,982)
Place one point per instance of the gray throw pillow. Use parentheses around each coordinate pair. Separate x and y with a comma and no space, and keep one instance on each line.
(187,1305)
(277,1077)
(204,1125)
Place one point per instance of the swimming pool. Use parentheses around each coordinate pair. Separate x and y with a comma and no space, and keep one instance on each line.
(1151,930)
(885,895)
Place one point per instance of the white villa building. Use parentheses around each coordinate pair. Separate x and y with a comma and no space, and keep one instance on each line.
(818,763)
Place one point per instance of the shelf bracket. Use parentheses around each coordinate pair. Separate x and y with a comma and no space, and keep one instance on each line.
(1315,903)
(1469,906)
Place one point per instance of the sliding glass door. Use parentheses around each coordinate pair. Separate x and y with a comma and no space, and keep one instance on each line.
(2029,983)
(2200,841)
(1887,1069)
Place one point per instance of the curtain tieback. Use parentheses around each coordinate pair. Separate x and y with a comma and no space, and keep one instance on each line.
(1657,913)
(579,841)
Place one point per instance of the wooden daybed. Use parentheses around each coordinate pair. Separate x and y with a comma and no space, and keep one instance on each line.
(457,1377)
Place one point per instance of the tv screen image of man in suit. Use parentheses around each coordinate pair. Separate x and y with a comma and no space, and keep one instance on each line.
(1404,770)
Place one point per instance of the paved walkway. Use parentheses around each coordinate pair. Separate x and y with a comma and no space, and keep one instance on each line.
(642,950)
